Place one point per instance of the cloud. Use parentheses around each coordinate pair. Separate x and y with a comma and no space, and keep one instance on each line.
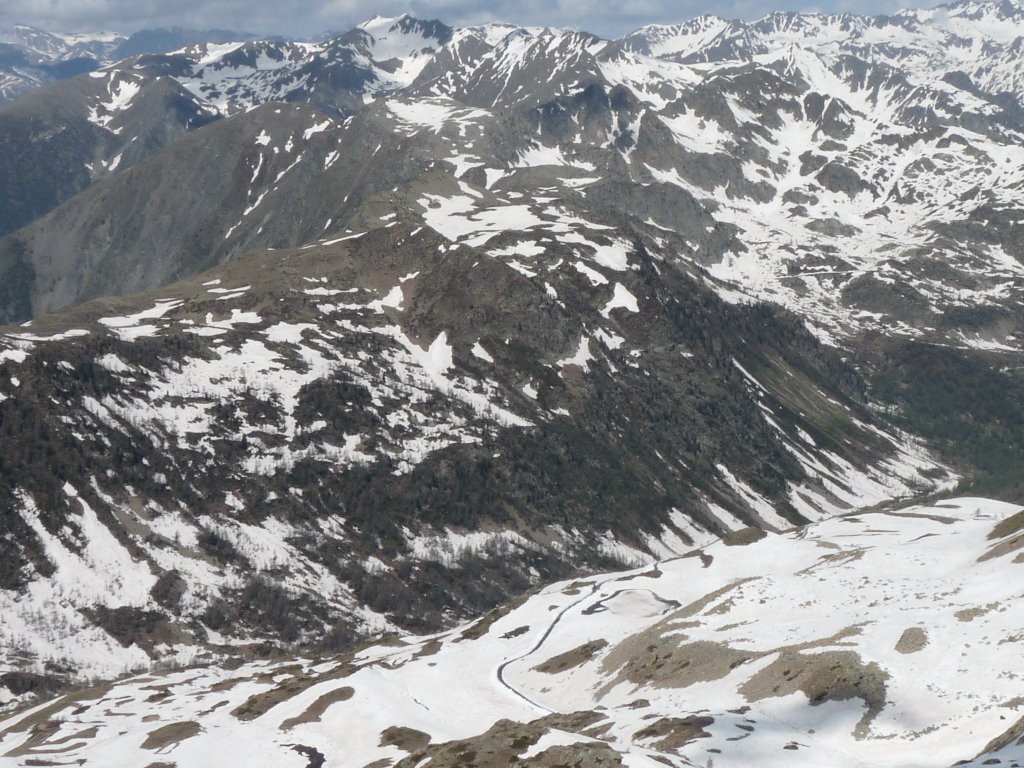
(298,18)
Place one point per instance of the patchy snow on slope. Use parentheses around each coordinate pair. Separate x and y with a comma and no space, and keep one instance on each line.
(480,352)
(44,622)
(539,155)
(131,327)
(121,90)
(826,646)
(449,547)
(581,358)
(434,114)
(621,299)
(161,308)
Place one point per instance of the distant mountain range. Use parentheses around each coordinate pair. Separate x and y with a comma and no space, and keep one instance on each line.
(30,57)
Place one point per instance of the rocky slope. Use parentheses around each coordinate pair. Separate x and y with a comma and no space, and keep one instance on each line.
(81,128)
(394,430)
(61,138)
(885,638)
(58,140)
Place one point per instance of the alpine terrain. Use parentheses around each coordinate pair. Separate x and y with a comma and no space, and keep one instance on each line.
(692,361)
(704,659)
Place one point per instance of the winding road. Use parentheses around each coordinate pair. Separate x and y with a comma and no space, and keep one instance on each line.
(596,608)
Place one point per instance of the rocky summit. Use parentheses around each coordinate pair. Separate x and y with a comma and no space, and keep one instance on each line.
(315,352)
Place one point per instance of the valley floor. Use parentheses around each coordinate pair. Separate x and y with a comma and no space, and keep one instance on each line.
(882,638)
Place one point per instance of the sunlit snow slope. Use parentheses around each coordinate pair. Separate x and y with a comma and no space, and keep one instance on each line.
(883,639)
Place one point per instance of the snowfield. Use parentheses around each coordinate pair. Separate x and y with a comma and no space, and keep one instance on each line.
(885,638)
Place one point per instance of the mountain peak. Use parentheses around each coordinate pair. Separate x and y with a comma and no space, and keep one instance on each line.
(383,22)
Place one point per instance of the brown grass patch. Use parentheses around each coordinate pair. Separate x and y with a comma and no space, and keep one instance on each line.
(1008,527)
(40,741)
(316,710)
(172,733)
(1005,739)
(573,658)
(483,625)
(675,732)
(743,537)
(43,715)
(406,739)
(821,677)
(261,703)
(502,745)
(970,614)
(662,661)
(912,640)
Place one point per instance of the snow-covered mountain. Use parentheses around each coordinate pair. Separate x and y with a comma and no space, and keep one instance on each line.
(31,57)
(858,191)
(340,74)
(964,37)
(43,46)
(346,429)
(319,340)
(884,638)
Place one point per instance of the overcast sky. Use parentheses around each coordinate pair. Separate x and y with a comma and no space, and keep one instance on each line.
(298,18)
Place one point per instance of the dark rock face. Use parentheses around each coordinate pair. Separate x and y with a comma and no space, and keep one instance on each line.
(56,142)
